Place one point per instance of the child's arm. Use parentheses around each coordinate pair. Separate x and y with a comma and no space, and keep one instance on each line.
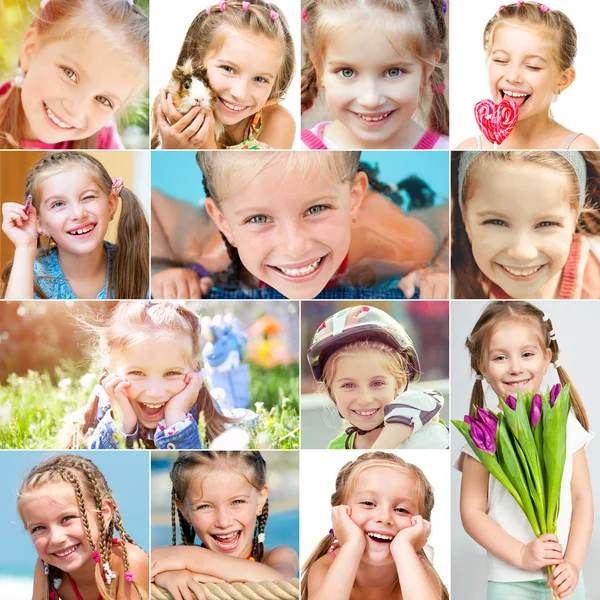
(180,584)
(279,128)
(537,554)
(228,568)
(39,581)
(180,284)
(566,575)
(139,566)
(418,580)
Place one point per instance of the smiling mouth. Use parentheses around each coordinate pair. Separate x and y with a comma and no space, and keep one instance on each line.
(300,272)
(381,538)
(374,118)
(233,107)
(518,97)
(365,414)
(227,541)
(82,230)
(66,552)
(62,124)
(521,272)
(152,411)
(520,383)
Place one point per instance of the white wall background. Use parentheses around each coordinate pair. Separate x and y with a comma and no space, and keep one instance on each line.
(576,108)
(169,22)
(318,470)
(577,327)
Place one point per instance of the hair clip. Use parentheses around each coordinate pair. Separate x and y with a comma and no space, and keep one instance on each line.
(502,7)
(96,556)
(545,317)
(556,364)
(261,538)
(304,15)
(109,574)
(223,5)
(52,595)
(439,89)
(544,8)
(520,3)
(208,9)
(331,532)
(28,202)
(274,15)
(19,77)
(117,185)
(479,377)
(245,5)
(552,334)
(57,582)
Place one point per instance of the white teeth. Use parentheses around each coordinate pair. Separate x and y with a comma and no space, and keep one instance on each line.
(153,406)
(522,272)
(366,413)
(67,552)
(514,94)
(303,271)
(232,107)
(380,118)
(56,120)
(227,537)
(82,231)
(378,536)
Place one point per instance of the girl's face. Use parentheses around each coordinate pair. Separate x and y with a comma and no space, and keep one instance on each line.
(292,231)
(362,386)
(382,504)
(52,518)
(514,359)
(522,68)
(74,210)
(372,89)
(72,87)
(222,506)
(520,226)
(156,372)
(242,74)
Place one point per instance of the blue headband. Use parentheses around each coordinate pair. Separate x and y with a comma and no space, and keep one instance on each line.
(574,158)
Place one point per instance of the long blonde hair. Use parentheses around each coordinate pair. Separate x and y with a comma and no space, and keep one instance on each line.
(125,26)
(90,487)
(344,486)
(420,24)
(129,273)
(130,323)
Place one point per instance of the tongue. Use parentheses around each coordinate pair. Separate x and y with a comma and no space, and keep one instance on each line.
(152,412)
(517,100)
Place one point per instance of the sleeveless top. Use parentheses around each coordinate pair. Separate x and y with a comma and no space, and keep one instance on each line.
(479,141)
(255,128)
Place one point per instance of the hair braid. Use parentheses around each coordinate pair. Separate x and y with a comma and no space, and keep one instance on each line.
(258,547)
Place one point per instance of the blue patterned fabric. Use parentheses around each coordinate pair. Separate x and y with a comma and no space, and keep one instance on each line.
(340,293)
(49,276)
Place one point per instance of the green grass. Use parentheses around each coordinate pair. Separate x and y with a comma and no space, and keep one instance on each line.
(31,406)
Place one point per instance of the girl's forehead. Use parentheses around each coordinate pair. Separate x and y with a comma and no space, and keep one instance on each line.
(215,482)
(385,481)
(515,331)
(521,37)
(69,177)
(57,494)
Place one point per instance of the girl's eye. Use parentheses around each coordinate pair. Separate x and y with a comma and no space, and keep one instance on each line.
(378,383)
(227,69)
(548,224)
(89,198)
(262,80)
(70,73)
(346,73)
(528,354)
(500,61)
(239,501)
(532,68)
(36,529)
(202,507)
(347,385)
(57,204)
(137,373)
(498,358)
(173,373)
(68,518)
(259,219)
(368,503)
(393,73)
(315,210)
(402,510)
(104,101)
(499,222)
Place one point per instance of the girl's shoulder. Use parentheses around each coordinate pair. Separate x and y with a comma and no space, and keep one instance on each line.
(468,144)
(279,127)
(581,141)
(318,571)
(283,559)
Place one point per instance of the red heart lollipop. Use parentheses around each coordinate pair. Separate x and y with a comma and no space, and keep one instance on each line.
(496,121)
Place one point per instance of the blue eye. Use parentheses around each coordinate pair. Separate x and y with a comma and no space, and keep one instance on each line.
(346,73)
(548,224)
(315,210)
(495,222)
(260,219)
(393,73)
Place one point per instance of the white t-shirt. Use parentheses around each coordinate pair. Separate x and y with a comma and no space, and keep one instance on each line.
(503,508)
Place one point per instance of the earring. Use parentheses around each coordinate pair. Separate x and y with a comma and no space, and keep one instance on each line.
(19,77)
(112,217)
(354,219)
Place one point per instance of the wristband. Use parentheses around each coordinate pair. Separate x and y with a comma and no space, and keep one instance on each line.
(414,409)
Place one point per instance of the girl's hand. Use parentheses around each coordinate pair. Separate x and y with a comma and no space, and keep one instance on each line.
(114,385)
(542,552)
(346,530)
(21,229)
(179,405)
(565,579)
(181,584)
(194,130)
(433,283)
(173,284)
(167,558)
(416,534)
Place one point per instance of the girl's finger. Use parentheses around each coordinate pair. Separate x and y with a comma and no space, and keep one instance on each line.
(197,589)
(182,124)
(206,284)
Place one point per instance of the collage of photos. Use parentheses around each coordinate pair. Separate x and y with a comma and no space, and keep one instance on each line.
(405,270)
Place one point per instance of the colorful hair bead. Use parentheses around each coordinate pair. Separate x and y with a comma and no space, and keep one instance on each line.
(245,5)
(274,15)
(544,8)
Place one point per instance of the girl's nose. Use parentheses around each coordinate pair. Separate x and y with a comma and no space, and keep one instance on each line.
(57,536)
(522,248)
(75,111)
(238,89)
(223,518)
(384,514)
(294,241)
(78,211)
(370,96)
(514,73)
(515,366)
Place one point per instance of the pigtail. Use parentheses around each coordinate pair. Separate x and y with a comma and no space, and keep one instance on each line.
(128,277)
(438,118)
(589,218)
(321,550)
(11,119)
(309,85)
(258,544)
(477,397)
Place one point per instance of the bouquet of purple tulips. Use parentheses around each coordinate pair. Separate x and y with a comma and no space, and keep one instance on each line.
(524,447)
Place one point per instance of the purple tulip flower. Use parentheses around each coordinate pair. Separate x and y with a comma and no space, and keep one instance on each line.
(511,402)
(554,392)
(481,436)
(536,410)
(489,421)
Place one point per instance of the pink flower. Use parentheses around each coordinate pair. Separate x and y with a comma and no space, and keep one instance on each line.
(274,15)
(544,8)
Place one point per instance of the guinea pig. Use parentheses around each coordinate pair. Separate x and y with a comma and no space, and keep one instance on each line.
(189,87)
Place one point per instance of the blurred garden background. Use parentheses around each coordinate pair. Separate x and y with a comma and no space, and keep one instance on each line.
(15,18)
(47,370)
(426,322)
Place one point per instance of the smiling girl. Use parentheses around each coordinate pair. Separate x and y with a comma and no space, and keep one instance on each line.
(530,52)
(525,225)
(80,64)
(378,64)
(248,51)
(223,499)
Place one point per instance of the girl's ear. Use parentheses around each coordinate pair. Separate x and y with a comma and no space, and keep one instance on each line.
(107,511)
(28,47)
(428,68)
(547,359)
(565,80)
(113,204)
(219,220)
(357,192)
(263,496)
(400,385)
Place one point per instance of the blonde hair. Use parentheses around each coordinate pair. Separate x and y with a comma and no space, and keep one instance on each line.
(467,275)
(90,487)
(130,323)
(226,173)
(249,464)
(564,36)
(344,486)
(128,277)
(395,362)
(422,27)
(491,318)
(126,27)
